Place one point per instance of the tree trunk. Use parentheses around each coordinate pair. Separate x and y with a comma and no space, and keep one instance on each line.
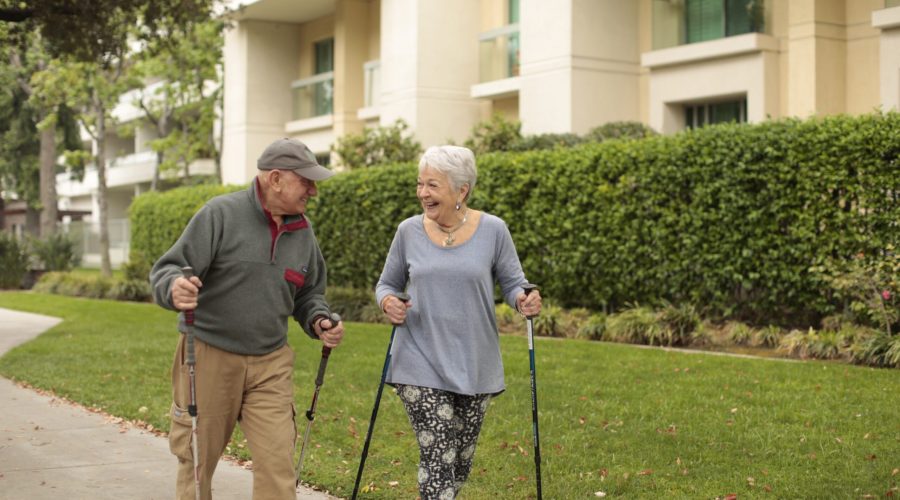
(49,212)
(162,129)
(100,160)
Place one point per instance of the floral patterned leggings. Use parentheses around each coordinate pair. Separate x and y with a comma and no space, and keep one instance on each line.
(447,426)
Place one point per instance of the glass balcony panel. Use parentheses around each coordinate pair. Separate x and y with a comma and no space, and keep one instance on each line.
(313,96)
(679,22)
(372,72)
(499,54)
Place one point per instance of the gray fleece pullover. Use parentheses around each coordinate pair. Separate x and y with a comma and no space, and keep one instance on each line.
(254,275)
(449,340)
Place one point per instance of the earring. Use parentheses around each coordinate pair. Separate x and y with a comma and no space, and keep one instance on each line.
(457,206)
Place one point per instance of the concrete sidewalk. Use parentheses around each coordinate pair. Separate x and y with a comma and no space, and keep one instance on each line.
(50,449)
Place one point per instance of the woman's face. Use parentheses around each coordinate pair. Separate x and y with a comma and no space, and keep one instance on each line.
(437,196)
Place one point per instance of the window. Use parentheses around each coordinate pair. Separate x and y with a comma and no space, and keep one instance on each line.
(324,56)
(512,54)
(699,115)
(499,48)
(323,159)
(714,19)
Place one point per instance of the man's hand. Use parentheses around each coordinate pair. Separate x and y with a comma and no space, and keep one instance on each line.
(330,333)
(185,292)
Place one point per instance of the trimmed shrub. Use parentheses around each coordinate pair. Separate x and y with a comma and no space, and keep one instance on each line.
(158,219)
(733,217)
(13,261)
(620,130)
(56,252)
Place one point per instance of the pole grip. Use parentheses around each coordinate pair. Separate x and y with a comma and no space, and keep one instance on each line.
(188,272)
(528,288)
(335,318)
(404,297)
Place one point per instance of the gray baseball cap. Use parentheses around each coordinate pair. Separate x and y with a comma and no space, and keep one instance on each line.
(291,154)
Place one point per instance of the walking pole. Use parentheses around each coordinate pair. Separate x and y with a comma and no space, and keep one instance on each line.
(529,320)
(188,272)
(387,361)
(311,412)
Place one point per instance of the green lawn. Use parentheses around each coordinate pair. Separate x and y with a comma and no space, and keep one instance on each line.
(627,421)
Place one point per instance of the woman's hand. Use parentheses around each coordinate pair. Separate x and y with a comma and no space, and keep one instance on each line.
(395,309)
(529,305)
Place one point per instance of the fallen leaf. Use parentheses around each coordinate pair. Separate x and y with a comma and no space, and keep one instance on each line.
(812,456)
(895,472)
(751,482)
(678,460)
(734,410)
(767,488)
(839,440)
(393,484)
(520,478)
(604,473)
(599,494)
(645,472)
(871,457)
(581,420)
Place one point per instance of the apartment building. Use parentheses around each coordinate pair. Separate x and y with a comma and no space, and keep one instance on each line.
(318,69)
(130,166)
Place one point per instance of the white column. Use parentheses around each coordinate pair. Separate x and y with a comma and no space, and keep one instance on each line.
(888,21)
(261,60)
(574,75)
(429,62)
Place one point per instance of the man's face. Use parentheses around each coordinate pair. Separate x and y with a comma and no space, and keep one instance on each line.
(295,193)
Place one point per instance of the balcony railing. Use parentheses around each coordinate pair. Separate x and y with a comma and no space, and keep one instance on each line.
(372,72)
(498,53)
(679,22)
(313,96)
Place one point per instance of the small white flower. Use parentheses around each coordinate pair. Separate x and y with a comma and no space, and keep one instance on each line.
(411,393)
(426,439)
(445,411)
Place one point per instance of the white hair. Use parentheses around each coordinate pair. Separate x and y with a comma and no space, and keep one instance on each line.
(456,162)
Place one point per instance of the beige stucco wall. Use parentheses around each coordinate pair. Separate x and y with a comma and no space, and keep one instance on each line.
(887,22)
(429,53)
(575,76)
(260,64)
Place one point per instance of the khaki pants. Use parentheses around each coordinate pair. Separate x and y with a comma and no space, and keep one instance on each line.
(256,391)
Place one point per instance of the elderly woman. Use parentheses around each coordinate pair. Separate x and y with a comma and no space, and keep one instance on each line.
(446,361)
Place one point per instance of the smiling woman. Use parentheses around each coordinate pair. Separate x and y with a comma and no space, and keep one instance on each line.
(445,362)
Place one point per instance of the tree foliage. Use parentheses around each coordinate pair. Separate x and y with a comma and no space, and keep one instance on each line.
(92,31)
(183,103)
(378,146)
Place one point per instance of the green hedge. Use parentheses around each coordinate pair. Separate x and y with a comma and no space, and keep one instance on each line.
(730,218)
(158,218)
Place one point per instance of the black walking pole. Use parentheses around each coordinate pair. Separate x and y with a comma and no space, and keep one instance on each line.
(387,361)
(311,412)
(529,320)
(188,272)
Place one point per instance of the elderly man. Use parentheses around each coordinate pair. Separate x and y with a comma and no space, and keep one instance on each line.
(256,263)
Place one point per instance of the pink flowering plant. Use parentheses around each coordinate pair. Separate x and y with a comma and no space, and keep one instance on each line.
(867,287)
